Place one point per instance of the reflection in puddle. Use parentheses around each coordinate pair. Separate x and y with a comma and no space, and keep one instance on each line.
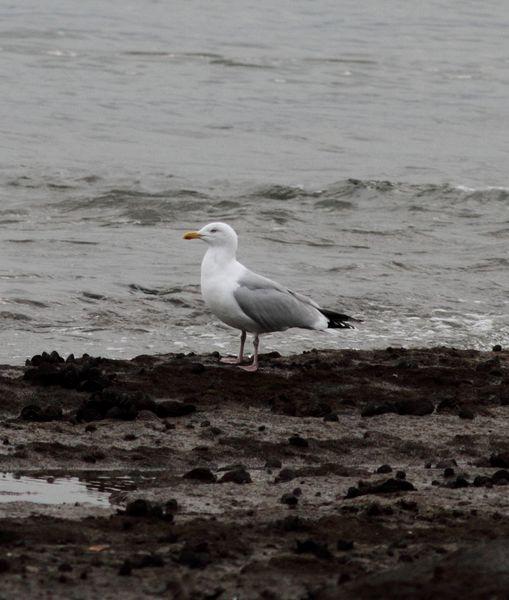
(98,489)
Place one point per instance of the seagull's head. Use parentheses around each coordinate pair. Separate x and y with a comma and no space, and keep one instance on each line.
(215,234)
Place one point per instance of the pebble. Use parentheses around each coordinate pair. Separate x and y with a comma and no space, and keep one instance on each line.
(289,499)
(298,441)
(239,476)
(202,474)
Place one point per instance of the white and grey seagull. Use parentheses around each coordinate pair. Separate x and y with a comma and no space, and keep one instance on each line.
(249,302)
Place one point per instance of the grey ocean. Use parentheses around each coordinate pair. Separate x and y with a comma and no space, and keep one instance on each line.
(359,148)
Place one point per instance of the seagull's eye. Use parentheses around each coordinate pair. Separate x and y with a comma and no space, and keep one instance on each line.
(213,231)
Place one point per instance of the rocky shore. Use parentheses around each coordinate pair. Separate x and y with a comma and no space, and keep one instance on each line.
(331,474)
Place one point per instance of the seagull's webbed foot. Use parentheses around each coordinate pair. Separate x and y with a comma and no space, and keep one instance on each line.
(249,368)
(230,360)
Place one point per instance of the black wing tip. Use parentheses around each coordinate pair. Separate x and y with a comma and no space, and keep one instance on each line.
(339,320)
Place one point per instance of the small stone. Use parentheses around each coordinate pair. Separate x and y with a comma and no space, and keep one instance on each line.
(239,476)
(449,472)
(289,499)
(459,482)
(465,413)
(285,475)
(482,481)
(344,545)
(331,418)
(384,469)
(502,474)
(173,408)
(500,460)
(137,508)
(202,474)
(497,348)
(400,475)
(298,441)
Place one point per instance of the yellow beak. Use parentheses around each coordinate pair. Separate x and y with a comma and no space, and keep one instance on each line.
(192,235)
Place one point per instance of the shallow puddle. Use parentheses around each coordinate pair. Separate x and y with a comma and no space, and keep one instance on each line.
(103,490)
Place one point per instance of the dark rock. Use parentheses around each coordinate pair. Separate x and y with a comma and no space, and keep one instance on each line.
(297,492)
(173,408)
(499,475)
(171,506)
(400,475)
(386,487)
(465,413)
(482,481)
(497,348)
(344,545)
(384,469)
(500,460)
(298,441)
(202,474)
(290,500)
(311,547)
(239,476)
(331,418)
(449,472)
(93,457)
(459,482)
(415,407)
(36,413)
(141,508)
(285,474)
(138,508)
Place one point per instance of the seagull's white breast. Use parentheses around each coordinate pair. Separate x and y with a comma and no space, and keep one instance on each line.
(219,279)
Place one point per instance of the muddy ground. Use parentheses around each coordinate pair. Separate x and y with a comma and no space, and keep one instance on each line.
(332,474)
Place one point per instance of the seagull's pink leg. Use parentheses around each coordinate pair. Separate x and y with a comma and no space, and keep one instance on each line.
(254,366)
(230,360)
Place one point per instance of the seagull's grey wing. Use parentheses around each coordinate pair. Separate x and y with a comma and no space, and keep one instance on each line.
(273,307)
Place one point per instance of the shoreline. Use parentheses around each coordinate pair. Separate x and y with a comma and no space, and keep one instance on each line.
(355,473)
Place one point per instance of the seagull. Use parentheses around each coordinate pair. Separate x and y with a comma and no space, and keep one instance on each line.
(250,302)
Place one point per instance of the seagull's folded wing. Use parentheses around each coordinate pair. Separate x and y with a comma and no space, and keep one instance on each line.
(273,307)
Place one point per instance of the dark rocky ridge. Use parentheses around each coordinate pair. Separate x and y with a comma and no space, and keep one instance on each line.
(248,493)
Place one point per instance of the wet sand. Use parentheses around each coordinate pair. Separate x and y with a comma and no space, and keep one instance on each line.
(352,474)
